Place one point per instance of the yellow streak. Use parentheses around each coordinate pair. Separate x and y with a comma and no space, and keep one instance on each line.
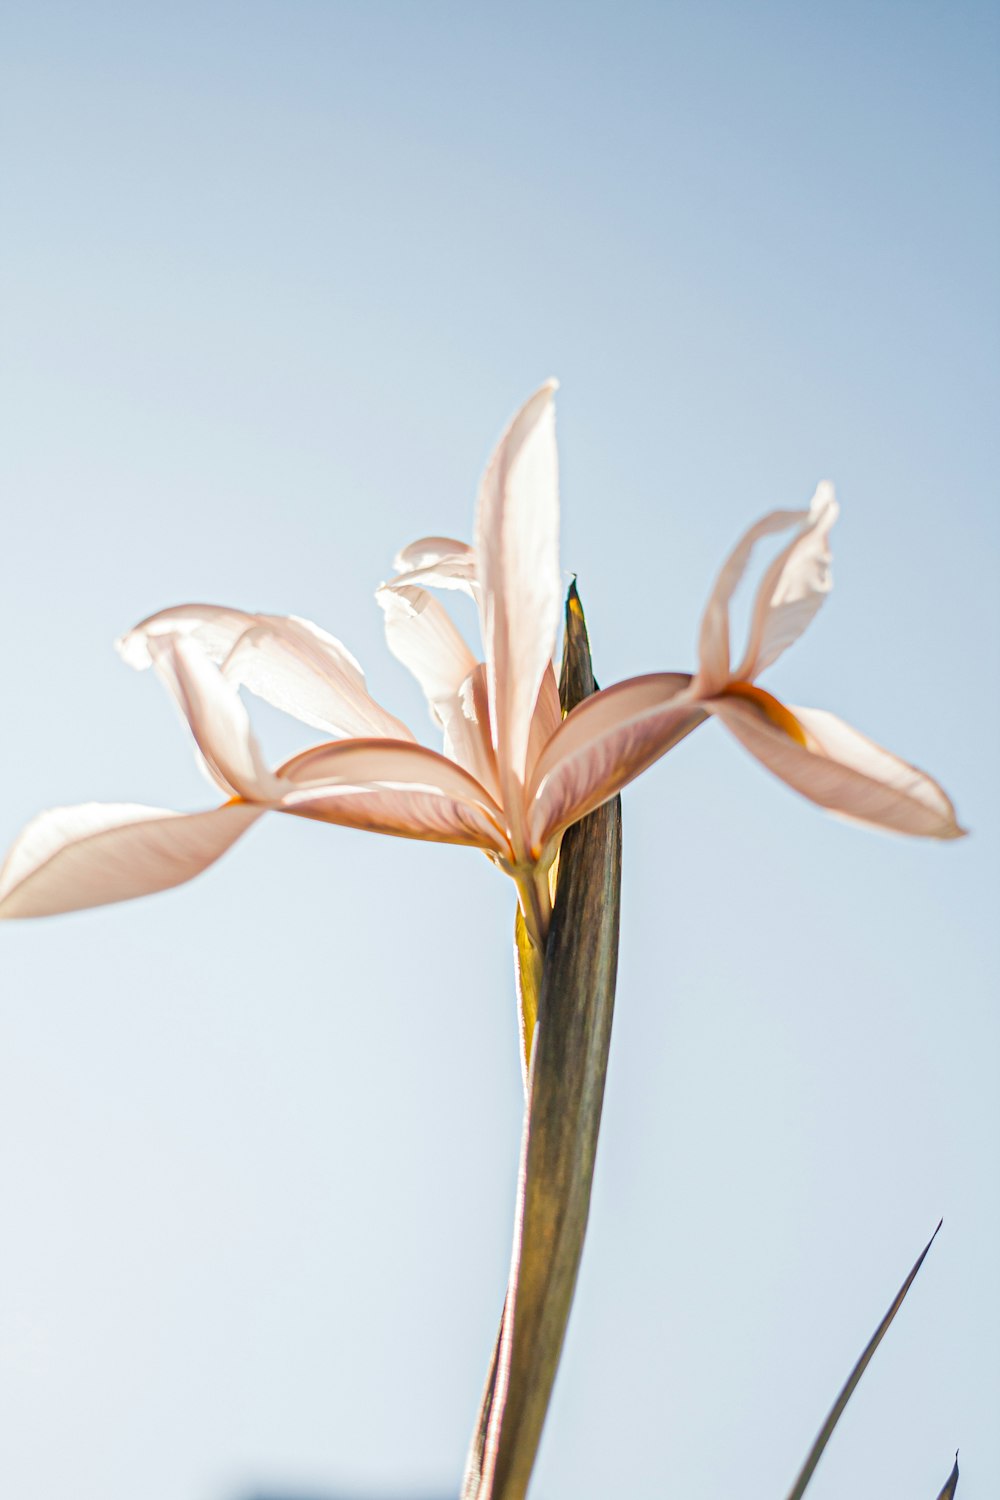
(780,716)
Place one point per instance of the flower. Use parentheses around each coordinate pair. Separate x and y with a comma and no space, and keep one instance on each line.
(610,738)
(374,775)
(514,774)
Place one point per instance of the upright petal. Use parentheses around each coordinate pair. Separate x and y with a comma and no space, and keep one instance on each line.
(398,788)
(838,768)
(290,663)
(713,643)
(606,742)
(217,717)
(75,857)
(421,635)
(465,719)
(545,720)
(517,546)
(792,589)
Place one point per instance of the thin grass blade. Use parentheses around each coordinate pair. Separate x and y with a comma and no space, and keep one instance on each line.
(837,1410)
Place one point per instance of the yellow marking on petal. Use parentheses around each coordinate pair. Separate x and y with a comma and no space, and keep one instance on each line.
(780,716)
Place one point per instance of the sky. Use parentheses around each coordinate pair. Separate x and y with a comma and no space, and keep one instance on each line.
(273,279)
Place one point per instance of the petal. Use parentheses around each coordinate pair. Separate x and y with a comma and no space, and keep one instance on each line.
(545,720)
(517,545)
(842,770)
(467,739)
(713,641)
(217,717)
(438,562)
(604,743)
(393,787)
(75,857)
(792,589)
(420,634)
(290,663)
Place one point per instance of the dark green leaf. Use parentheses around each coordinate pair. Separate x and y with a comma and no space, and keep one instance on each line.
(837,1410)
(562,1117)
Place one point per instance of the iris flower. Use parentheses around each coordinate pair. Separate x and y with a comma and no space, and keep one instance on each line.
(514,774)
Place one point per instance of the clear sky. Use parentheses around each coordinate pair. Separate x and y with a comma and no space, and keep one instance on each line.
(274,277)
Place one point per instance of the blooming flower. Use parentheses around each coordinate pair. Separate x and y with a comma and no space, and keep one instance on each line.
(514,775)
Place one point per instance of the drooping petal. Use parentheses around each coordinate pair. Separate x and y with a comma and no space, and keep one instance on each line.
(839,768)
(75,857)
(420,634)
(217,718)
(792,589)
(517,546)
(393,787)
(289,662)
(438,562)
(606,742)
(713,641)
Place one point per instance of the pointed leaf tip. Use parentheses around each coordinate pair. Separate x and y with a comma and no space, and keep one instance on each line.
(951,1483)
(837,1410)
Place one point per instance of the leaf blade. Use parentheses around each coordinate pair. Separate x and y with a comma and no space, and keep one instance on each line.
(847,1391)
(562,1119)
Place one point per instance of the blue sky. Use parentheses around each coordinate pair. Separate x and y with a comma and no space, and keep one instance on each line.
(274,277)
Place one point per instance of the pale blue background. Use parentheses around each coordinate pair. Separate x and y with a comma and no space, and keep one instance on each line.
(274,277)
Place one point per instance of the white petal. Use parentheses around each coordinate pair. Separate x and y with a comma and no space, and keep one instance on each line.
(792,589)
(217,717)
(421,635)
(517,546)
(396,788)
(75,857)
(713,641)
(841,770)
(604,743)
(290,663)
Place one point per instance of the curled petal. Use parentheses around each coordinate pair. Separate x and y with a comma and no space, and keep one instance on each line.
(792,589)
(218,720)
(517,545)
(421,635)
(838,768)
(713,642)
(290,663)
(393,787)
(438,562)
(606,742)
(75,857)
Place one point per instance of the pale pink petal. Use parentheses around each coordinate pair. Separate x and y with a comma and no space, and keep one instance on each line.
(398,788)
(517,546)
(842,770)
(438,562)
(467,738)
(544,721)
(75,857)
(604,743)
(421,635)
(713,641)
(792,589)
(290,663)
(217,717)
